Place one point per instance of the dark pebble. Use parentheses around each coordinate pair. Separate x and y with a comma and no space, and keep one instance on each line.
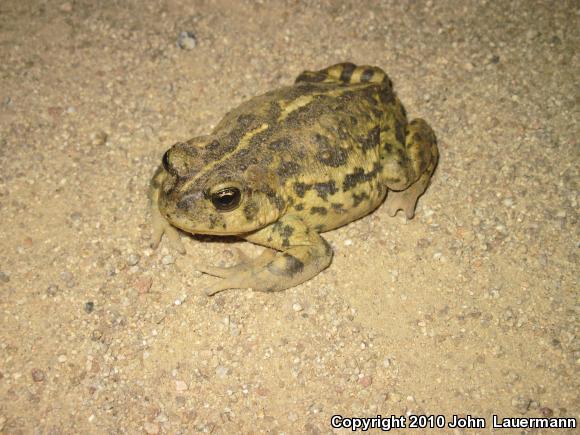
(4,277)
(89,307)
(37,375)
(52,290)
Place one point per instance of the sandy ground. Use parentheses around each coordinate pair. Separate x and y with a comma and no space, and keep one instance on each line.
(470,308)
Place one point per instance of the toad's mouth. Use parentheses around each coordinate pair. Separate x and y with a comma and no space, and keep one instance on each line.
(185,225)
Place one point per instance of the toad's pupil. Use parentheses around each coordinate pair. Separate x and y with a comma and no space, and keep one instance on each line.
(226,199)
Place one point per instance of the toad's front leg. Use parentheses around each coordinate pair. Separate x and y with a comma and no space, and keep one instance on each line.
(301,254)
(160,224)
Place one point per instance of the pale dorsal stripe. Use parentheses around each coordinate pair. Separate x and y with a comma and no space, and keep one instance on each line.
(242,144)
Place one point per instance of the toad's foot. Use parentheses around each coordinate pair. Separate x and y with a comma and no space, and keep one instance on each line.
(245,264)
(160,227)
(406,200)
(300,253)
(160,224)
(422,156)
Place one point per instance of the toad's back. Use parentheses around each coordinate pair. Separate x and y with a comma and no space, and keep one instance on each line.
(328,139)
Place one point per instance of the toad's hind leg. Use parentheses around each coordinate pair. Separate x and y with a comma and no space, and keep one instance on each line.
(298,254)
(420,161)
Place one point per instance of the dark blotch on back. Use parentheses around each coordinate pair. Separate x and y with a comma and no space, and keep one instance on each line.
(387,95)
(213,146)
(280,144)
(342,130)
(328,154)
(357,199)
(372,139)
(246,119)
(286,231)
(318,210)
(337,208)
(301,188)
(325,189)
(260,138)
(288,169)
(359,176)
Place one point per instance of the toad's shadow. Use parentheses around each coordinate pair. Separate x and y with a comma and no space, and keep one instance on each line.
(206,238)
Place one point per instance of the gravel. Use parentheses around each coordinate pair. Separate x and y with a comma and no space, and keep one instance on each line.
(469,308)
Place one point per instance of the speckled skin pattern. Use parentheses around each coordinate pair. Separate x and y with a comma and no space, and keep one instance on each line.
(285,166)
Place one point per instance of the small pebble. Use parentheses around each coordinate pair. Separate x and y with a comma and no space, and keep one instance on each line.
(89,307)
(66,7)
(133,259)
(508,202)
(167,260)
(297,307)
(186,41)
(532,34)
(151,428)
(68,278)
(365,381)
(348,242)
(180,386)
(221,371)
(62,358)
(546,412)
(37,375)
(4,277)
(521,404)
(161,418)
(99,139)
(75,217)
(143,284)
(234,330)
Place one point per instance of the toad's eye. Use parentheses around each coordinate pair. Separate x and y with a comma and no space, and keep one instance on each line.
(165,161)
(167,165)
(226,199)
